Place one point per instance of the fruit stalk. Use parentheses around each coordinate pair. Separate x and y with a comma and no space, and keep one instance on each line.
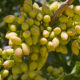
(60,11)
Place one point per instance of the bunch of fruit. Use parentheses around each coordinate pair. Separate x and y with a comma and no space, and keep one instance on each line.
(32,38)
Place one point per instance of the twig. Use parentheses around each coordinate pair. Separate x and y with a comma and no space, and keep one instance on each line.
(60,11)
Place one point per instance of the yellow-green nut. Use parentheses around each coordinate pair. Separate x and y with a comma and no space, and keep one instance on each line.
(34,56)
(49,28)
(55,42)
(37,23)
(30,22)
(33,65)
(71,32)
(10,43)
(29,2)
(4,73)
(35,5)
(25,26)
(52,34)
(8,63)
(54,6)
(23,14)
(20,19)
(25,48)
(63,26)
(15,77)
(10,77)
(4,54)
(16,40)
(69,12)
(10,51)
(43,41)
(64,36)
(38,77)
(77,29)
(39,16)
(32,74)
(8,35)
(16,70)
(13,27)
(50,46)
(24,67)
(28,41)
(77,9)
(27,8)
(35,31)
(24,77)
(18,52)
(63,19)
(45,9)
(57,30)
(9,19)
(46,19)
(26,34)
(46,33)
(0,51)
(33,13)
(49,69)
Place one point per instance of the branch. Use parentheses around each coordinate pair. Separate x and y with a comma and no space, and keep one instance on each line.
(60,11)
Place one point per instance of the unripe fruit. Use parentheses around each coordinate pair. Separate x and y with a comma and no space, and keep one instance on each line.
(16,40)
(24,77)
(43,51)
(0,77)
(33,13)
(26,34)
(35,30)
(75,47)
(10,43)
(54,6)
(23,14)
(37,23)
(39,17)
(77,9)
(29,2)
(69,12)
(25,48)
(50,46)
(16,70)
(34,56)
(47,18)
(35,5)
(77,28)
(63,19)
(8,63)
(15,77)
(50,69)
(52,35)
(35,48)
(45,33)
(4,73)
(9,19)
(71,32)
(30,22)
(10,77)
(0,51)
(43,41)
(45,9)
(57,30)
(10,51)
(4,54)
(38,77)
(55,42)
(18,52)
(63,26)
(13,27)
(27,8)
(32,74)
(70,22)
(64,36)
(1,61)
(8,35)
(49,28)
(20,19)
(24,67)
(33,66)
(25,26)
(28,41)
